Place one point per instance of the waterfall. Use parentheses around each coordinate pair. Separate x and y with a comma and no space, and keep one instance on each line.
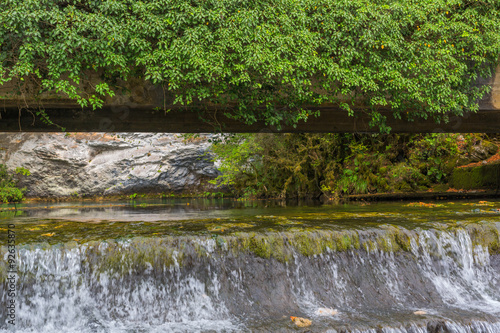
(375,277)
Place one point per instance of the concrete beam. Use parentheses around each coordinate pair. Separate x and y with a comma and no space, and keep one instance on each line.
(137,110)
(495,90)
(122,119)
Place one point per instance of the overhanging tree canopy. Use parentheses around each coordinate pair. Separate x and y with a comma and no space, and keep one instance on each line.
(271,60)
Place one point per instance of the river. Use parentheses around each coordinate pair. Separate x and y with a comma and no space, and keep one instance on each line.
(207,265)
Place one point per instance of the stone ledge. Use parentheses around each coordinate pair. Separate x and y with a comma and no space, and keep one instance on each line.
(483,176)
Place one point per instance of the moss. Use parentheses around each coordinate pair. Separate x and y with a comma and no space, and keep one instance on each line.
(265,245)
(343,243)
(355,241)
(199,250)
(3,267)
(279,250)
(307,244)
(317,233)
(382,170)
(373,179)
(402,239)
(403,186)
(490,147)
(370,245)
(384,244)
(393,239)
(281,245)
(476,177)
(382,183)
(139,255)
(422,167)
(441,188)
(450,164)
(260,247)
(486,236)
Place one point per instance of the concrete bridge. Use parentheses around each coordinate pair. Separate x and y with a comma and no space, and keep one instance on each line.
(141,110)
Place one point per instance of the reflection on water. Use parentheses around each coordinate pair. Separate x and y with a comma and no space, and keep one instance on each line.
(183,209)
(147,210)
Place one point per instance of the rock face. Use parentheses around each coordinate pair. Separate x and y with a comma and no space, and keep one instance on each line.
(85,164)
(476,177)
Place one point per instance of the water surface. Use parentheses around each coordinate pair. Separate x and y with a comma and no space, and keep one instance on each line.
(246,266)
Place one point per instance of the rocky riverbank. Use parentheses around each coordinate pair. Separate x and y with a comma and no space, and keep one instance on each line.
(93,165)
(100,164)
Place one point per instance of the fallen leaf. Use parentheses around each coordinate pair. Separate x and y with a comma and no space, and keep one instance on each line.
(301,322)
(48,235)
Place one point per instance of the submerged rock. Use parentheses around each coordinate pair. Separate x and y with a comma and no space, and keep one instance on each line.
(88,164)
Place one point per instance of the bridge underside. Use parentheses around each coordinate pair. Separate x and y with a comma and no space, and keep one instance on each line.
(139,109)
(125,119)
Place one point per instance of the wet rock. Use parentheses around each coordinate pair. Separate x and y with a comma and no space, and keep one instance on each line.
(215,281)
(326,312)
(420,313)
(85,164)
(495,262)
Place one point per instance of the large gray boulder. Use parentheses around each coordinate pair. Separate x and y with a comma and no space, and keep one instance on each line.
(85,164)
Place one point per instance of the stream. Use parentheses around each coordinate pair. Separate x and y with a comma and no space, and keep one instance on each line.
(223,265)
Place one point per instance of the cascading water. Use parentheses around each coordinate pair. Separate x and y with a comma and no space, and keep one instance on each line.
(375,276)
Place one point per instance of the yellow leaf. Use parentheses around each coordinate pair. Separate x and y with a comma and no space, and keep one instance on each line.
(49,235)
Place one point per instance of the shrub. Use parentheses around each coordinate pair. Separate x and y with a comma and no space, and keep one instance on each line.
(311,165)
(9,192)
(258,60)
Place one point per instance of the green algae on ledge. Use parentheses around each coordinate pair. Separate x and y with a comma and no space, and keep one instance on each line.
(308,232)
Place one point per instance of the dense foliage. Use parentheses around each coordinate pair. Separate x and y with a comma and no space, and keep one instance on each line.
(9,192)
(259,59)
(334,165)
